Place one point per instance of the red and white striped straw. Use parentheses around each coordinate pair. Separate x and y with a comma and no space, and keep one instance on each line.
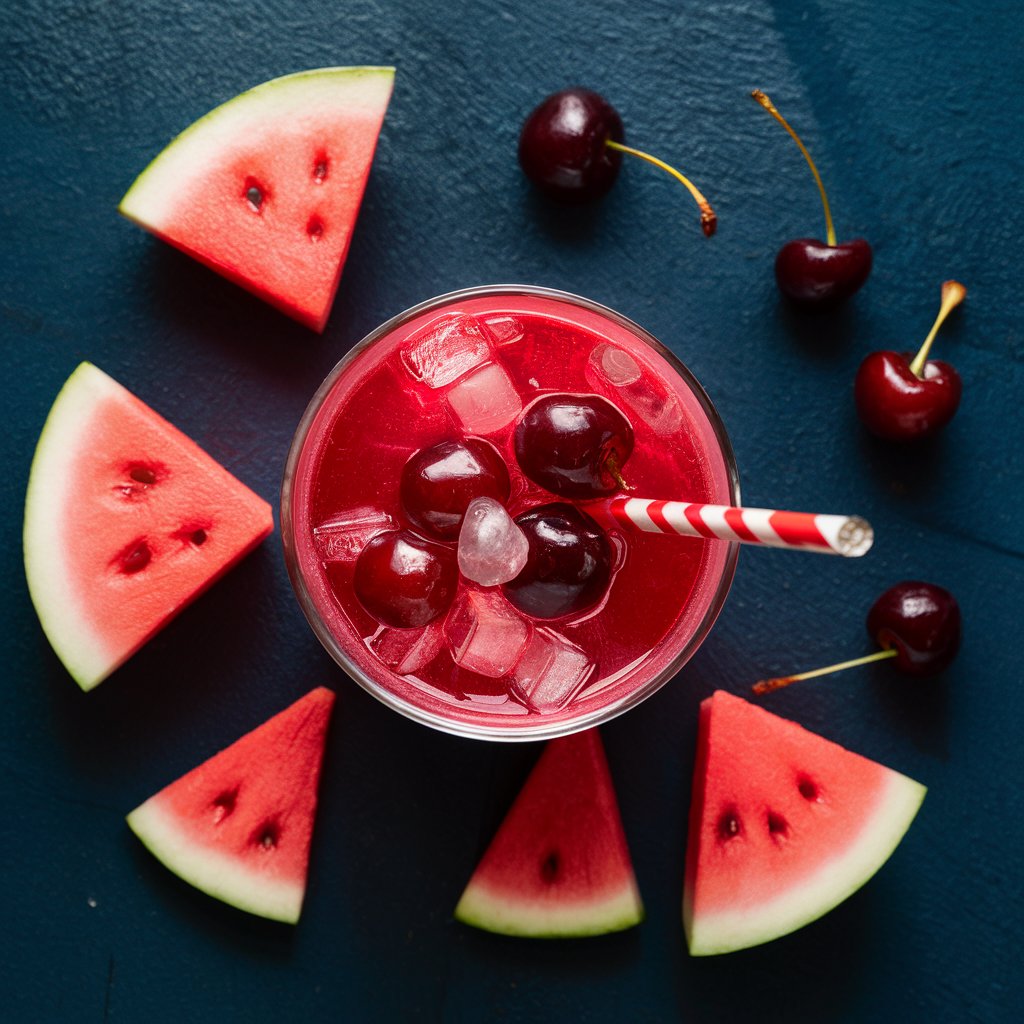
(849,536)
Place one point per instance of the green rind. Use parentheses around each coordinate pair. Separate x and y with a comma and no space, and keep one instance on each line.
(503,916)
(212,872)
(837,879)
(145,203)
(78,648)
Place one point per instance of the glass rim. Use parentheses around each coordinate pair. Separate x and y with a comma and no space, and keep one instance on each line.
(495,732)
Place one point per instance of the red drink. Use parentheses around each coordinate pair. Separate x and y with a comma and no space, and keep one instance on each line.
(465,366)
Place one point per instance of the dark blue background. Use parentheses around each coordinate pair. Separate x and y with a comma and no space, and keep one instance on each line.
(914,113)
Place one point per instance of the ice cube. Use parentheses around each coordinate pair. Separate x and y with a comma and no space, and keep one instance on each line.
(612,365)
(642,396)
(343,536)
(551,671)
(407,650)
(504,330)
(492,548)
(486,634)
(446,349)
(485,401)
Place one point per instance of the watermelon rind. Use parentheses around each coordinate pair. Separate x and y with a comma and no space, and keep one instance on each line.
(838,876)
(154,196)
(77,646)
(63,608)
(491,912)
(214,873)
(567,810)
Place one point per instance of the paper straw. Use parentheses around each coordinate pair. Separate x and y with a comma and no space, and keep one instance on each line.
(849,536)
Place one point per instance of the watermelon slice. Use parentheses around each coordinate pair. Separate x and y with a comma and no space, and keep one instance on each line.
(266,188)
(784,825)
(126,521)
(559,865)
(239,825)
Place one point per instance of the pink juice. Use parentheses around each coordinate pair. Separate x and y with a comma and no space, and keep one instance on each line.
(466,365)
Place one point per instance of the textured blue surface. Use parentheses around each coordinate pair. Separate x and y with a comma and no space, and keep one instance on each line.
(913,112)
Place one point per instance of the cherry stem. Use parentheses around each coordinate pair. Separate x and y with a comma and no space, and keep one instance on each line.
(612,466)
(953,293)
(708,220)
(767,685)
(830,231)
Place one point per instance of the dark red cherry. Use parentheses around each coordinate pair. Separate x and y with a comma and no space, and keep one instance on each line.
(569,565)
(813,273)
(403,580)
(563,146)
(439,483)
(574,445)
(903,397)
(921,621)
(896,404)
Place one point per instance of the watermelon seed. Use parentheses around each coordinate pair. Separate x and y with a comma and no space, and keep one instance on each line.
(729,824)
(808,790)
(778,827)
(198,537)
(268,836)
(550,866)
(135,557)
(254,193)
(142,475)
(224,805)
(320,168)
(315,228)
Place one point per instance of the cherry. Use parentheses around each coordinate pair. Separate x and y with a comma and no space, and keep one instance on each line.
(921,623)
(403,580)
(916,624)
(902,398)
(438,484)
(569,564)
(571,147)
(807,270)
(574,445)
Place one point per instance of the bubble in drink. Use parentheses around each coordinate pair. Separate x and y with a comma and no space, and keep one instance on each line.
(492,548)
(504,330)
(342,537)
(446,349)
(406,651)
(551,672)
(485,401)
(486,634)
(640,397)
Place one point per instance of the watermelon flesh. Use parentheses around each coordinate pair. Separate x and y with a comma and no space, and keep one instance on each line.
(558,865)
(127,520)
(784,825)
(239,826)
(266,188)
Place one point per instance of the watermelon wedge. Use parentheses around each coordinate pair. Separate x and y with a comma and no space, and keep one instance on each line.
(239,826)
(266,188)
(784,825)
(126,521)
(558,865)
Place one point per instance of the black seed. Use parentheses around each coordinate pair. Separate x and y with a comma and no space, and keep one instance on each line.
(198,537)
(729,824)
(142,475)
(550,866)
(808,789)
(255,196)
